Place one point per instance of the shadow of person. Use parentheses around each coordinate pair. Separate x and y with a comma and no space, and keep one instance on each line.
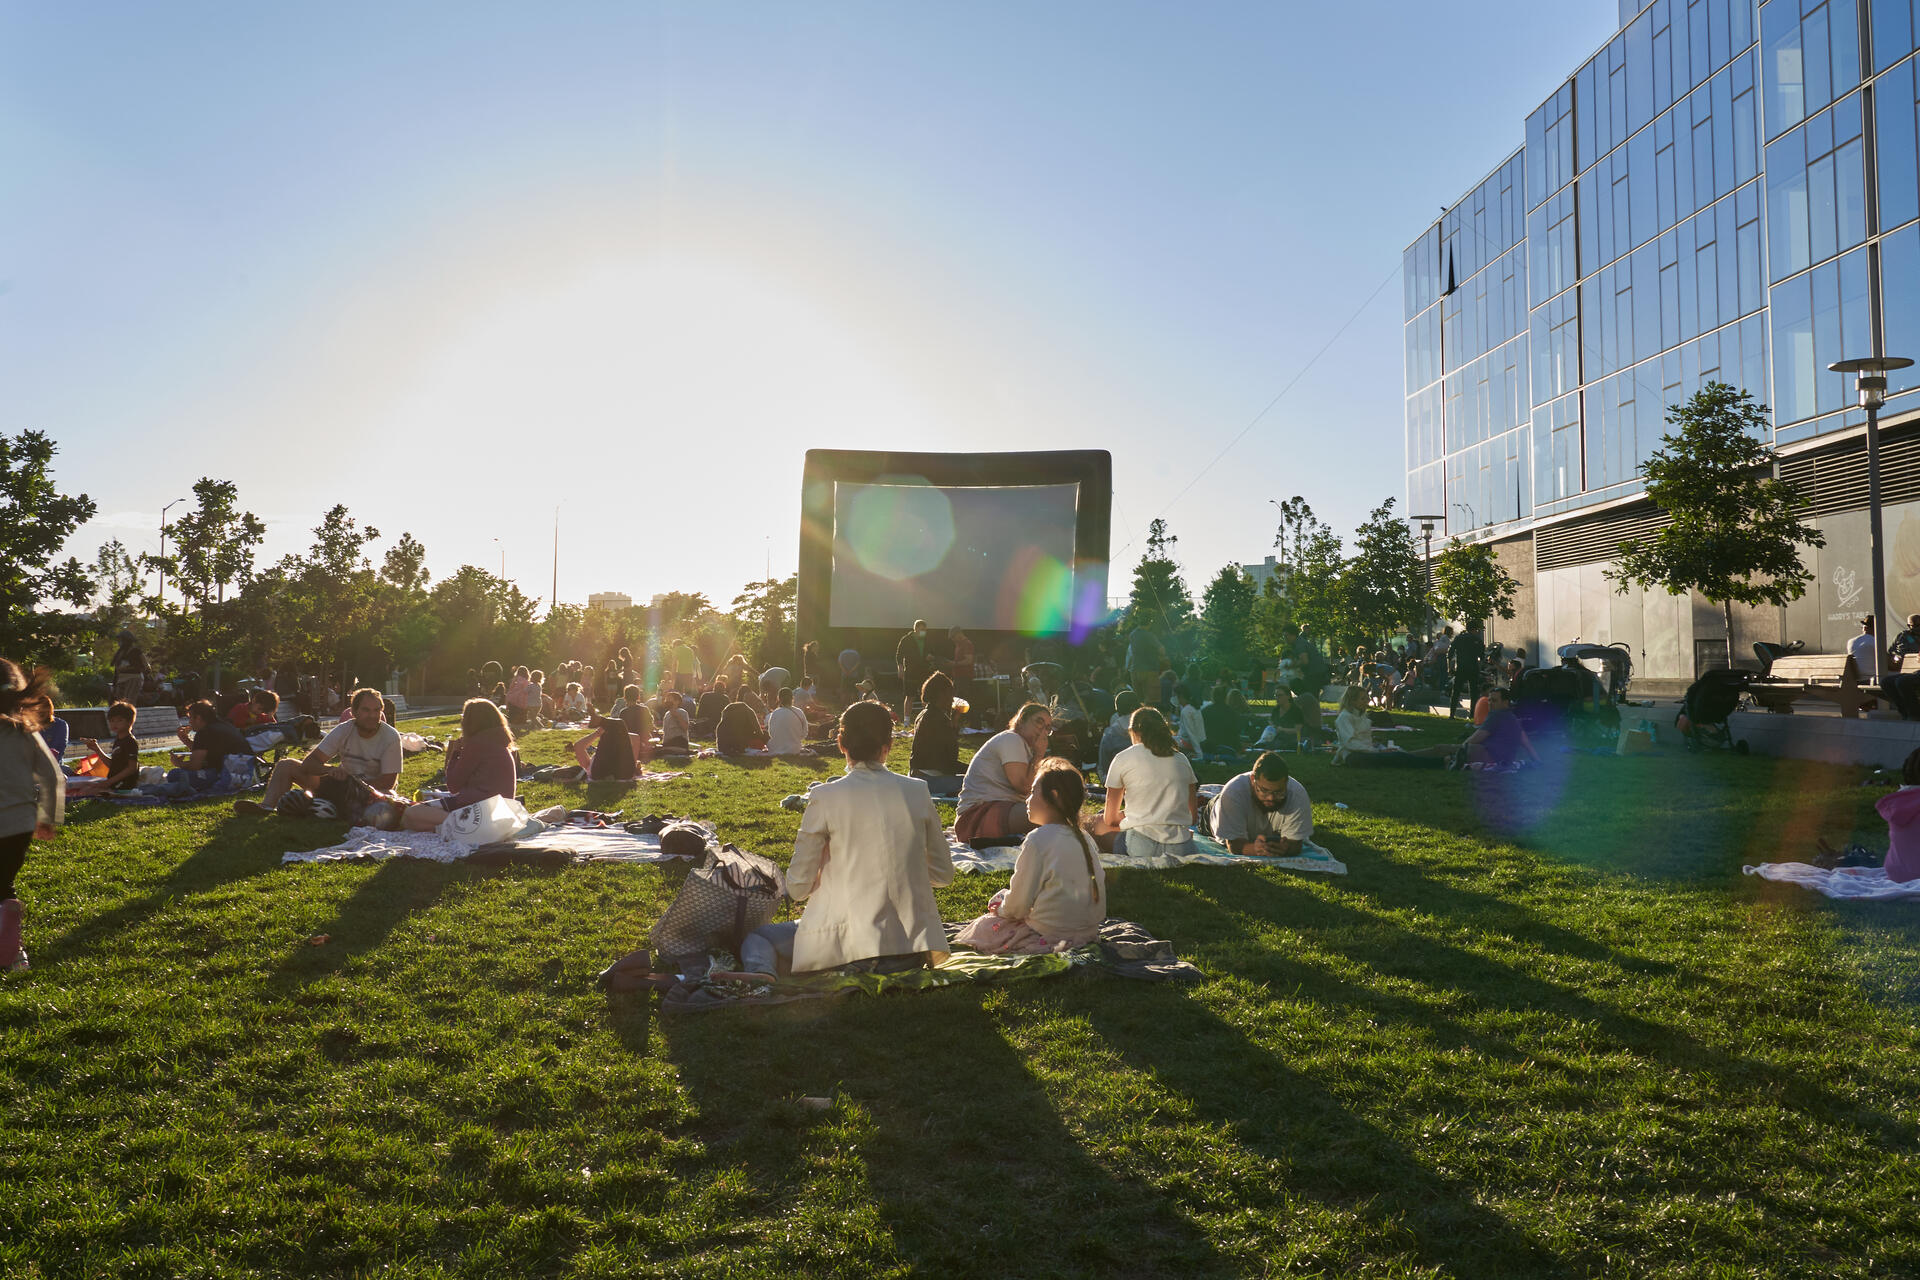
(1394,951)
(1330,1154)
(233,849)
(396,890)
(957,1145)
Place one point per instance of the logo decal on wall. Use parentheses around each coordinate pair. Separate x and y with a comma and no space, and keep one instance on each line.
(1846,585)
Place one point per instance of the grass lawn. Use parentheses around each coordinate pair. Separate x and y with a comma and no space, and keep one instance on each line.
(1543,1028)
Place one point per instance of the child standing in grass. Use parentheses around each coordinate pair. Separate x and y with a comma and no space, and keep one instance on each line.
(32,794)
(1058,897)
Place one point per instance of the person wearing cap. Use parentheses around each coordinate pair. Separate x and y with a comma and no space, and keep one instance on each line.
(915,664)
(1865,649)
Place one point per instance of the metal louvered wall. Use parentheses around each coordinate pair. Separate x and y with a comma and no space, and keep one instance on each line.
(1831,480)
(1836,480)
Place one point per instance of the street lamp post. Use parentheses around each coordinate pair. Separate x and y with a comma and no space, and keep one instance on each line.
(1870,374)
(163,551)
(1426,532)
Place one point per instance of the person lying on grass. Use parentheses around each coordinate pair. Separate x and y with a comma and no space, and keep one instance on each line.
(123,768)
(1058,896)
(993,795)
(364,747)
(1153,796)
(1265,811)
(866,862)
(480,764)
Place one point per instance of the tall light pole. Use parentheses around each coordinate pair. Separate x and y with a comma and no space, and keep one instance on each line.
(1426,531)
(503,558)
(1870,374)
(163,551)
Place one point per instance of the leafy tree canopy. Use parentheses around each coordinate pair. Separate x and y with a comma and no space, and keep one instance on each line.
(36,520)
(1469,582)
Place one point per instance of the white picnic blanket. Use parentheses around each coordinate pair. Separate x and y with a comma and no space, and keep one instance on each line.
(1205,853)
(1864,884)
(587,844)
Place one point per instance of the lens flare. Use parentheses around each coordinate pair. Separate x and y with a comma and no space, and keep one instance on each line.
(1036,594)
(898,531)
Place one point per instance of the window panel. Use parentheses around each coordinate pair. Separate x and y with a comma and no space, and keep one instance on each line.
(1794,388)
(1894,26)
(1816,190)
(1895,116)
(1900,302)
(1811,57)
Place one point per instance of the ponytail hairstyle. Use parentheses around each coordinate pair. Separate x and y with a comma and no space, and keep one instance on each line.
(1064,790)
(1153,731)
(20,694)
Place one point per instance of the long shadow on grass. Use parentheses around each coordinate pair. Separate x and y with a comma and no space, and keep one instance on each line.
(396,890)
(236,849)
(967,1159)
(1390,949)
(1331,1155)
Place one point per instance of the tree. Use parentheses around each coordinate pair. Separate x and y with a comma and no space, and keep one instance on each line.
(1298,524)
(404,566)
(36,520)
(331,592)
(763,613)
(1159,602)
(1317,588)
(1469,583)
(215,542)
(118,580)
(1226,618)
(1383,587)
(1735,531)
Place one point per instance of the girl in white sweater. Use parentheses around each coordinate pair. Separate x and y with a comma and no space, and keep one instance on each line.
(1058,898)
(32,794)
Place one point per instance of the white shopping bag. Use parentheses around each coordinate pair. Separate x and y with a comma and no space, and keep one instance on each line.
(485,821)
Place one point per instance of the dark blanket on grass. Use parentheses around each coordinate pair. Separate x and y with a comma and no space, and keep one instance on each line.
(1123,950)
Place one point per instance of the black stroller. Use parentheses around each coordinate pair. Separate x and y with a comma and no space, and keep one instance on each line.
(1567,700)
(1702,718)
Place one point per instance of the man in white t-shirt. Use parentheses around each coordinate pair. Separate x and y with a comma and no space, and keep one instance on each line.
(1264,811)
(1865,649)
(364,747)
(786,726)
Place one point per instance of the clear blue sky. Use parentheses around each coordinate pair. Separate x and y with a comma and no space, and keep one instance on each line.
(456,265)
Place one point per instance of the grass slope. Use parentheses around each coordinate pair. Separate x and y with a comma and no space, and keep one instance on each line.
(1543,1029)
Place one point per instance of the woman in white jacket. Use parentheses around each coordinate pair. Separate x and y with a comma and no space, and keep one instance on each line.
(870,853)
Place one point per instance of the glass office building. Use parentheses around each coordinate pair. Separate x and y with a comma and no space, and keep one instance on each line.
(1728,191)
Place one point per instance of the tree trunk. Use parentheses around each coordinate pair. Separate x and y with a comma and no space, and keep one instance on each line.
(1726,612)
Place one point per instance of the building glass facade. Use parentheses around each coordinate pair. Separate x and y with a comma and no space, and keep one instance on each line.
(1728,191)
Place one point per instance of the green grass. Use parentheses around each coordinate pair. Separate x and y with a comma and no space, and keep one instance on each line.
(1541,1029)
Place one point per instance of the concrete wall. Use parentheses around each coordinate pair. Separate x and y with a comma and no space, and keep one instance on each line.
(1523,629)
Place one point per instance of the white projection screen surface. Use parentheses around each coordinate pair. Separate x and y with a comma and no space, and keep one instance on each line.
(992,558)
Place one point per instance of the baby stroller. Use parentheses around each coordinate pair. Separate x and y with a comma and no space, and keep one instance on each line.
(1615,659)
(1568,700)
(1702,718)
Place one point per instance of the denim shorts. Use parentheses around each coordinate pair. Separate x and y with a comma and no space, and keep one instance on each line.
(1131,844)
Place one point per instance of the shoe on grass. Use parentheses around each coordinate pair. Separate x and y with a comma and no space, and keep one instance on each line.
(13,956)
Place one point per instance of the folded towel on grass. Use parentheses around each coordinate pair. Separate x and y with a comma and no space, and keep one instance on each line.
(1123,950)
(549,846)
(1859,884)
(1204,852)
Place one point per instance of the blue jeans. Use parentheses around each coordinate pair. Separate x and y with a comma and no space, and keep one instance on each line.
(1131,844)
(769,950)
(187,782)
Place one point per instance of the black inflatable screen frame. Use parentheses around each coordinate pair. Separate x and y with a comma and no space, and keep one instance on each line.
(1091,469)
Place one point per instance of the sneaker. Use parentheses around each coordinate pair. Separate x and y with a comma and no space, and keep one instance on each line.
(13,956)
(244,805)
